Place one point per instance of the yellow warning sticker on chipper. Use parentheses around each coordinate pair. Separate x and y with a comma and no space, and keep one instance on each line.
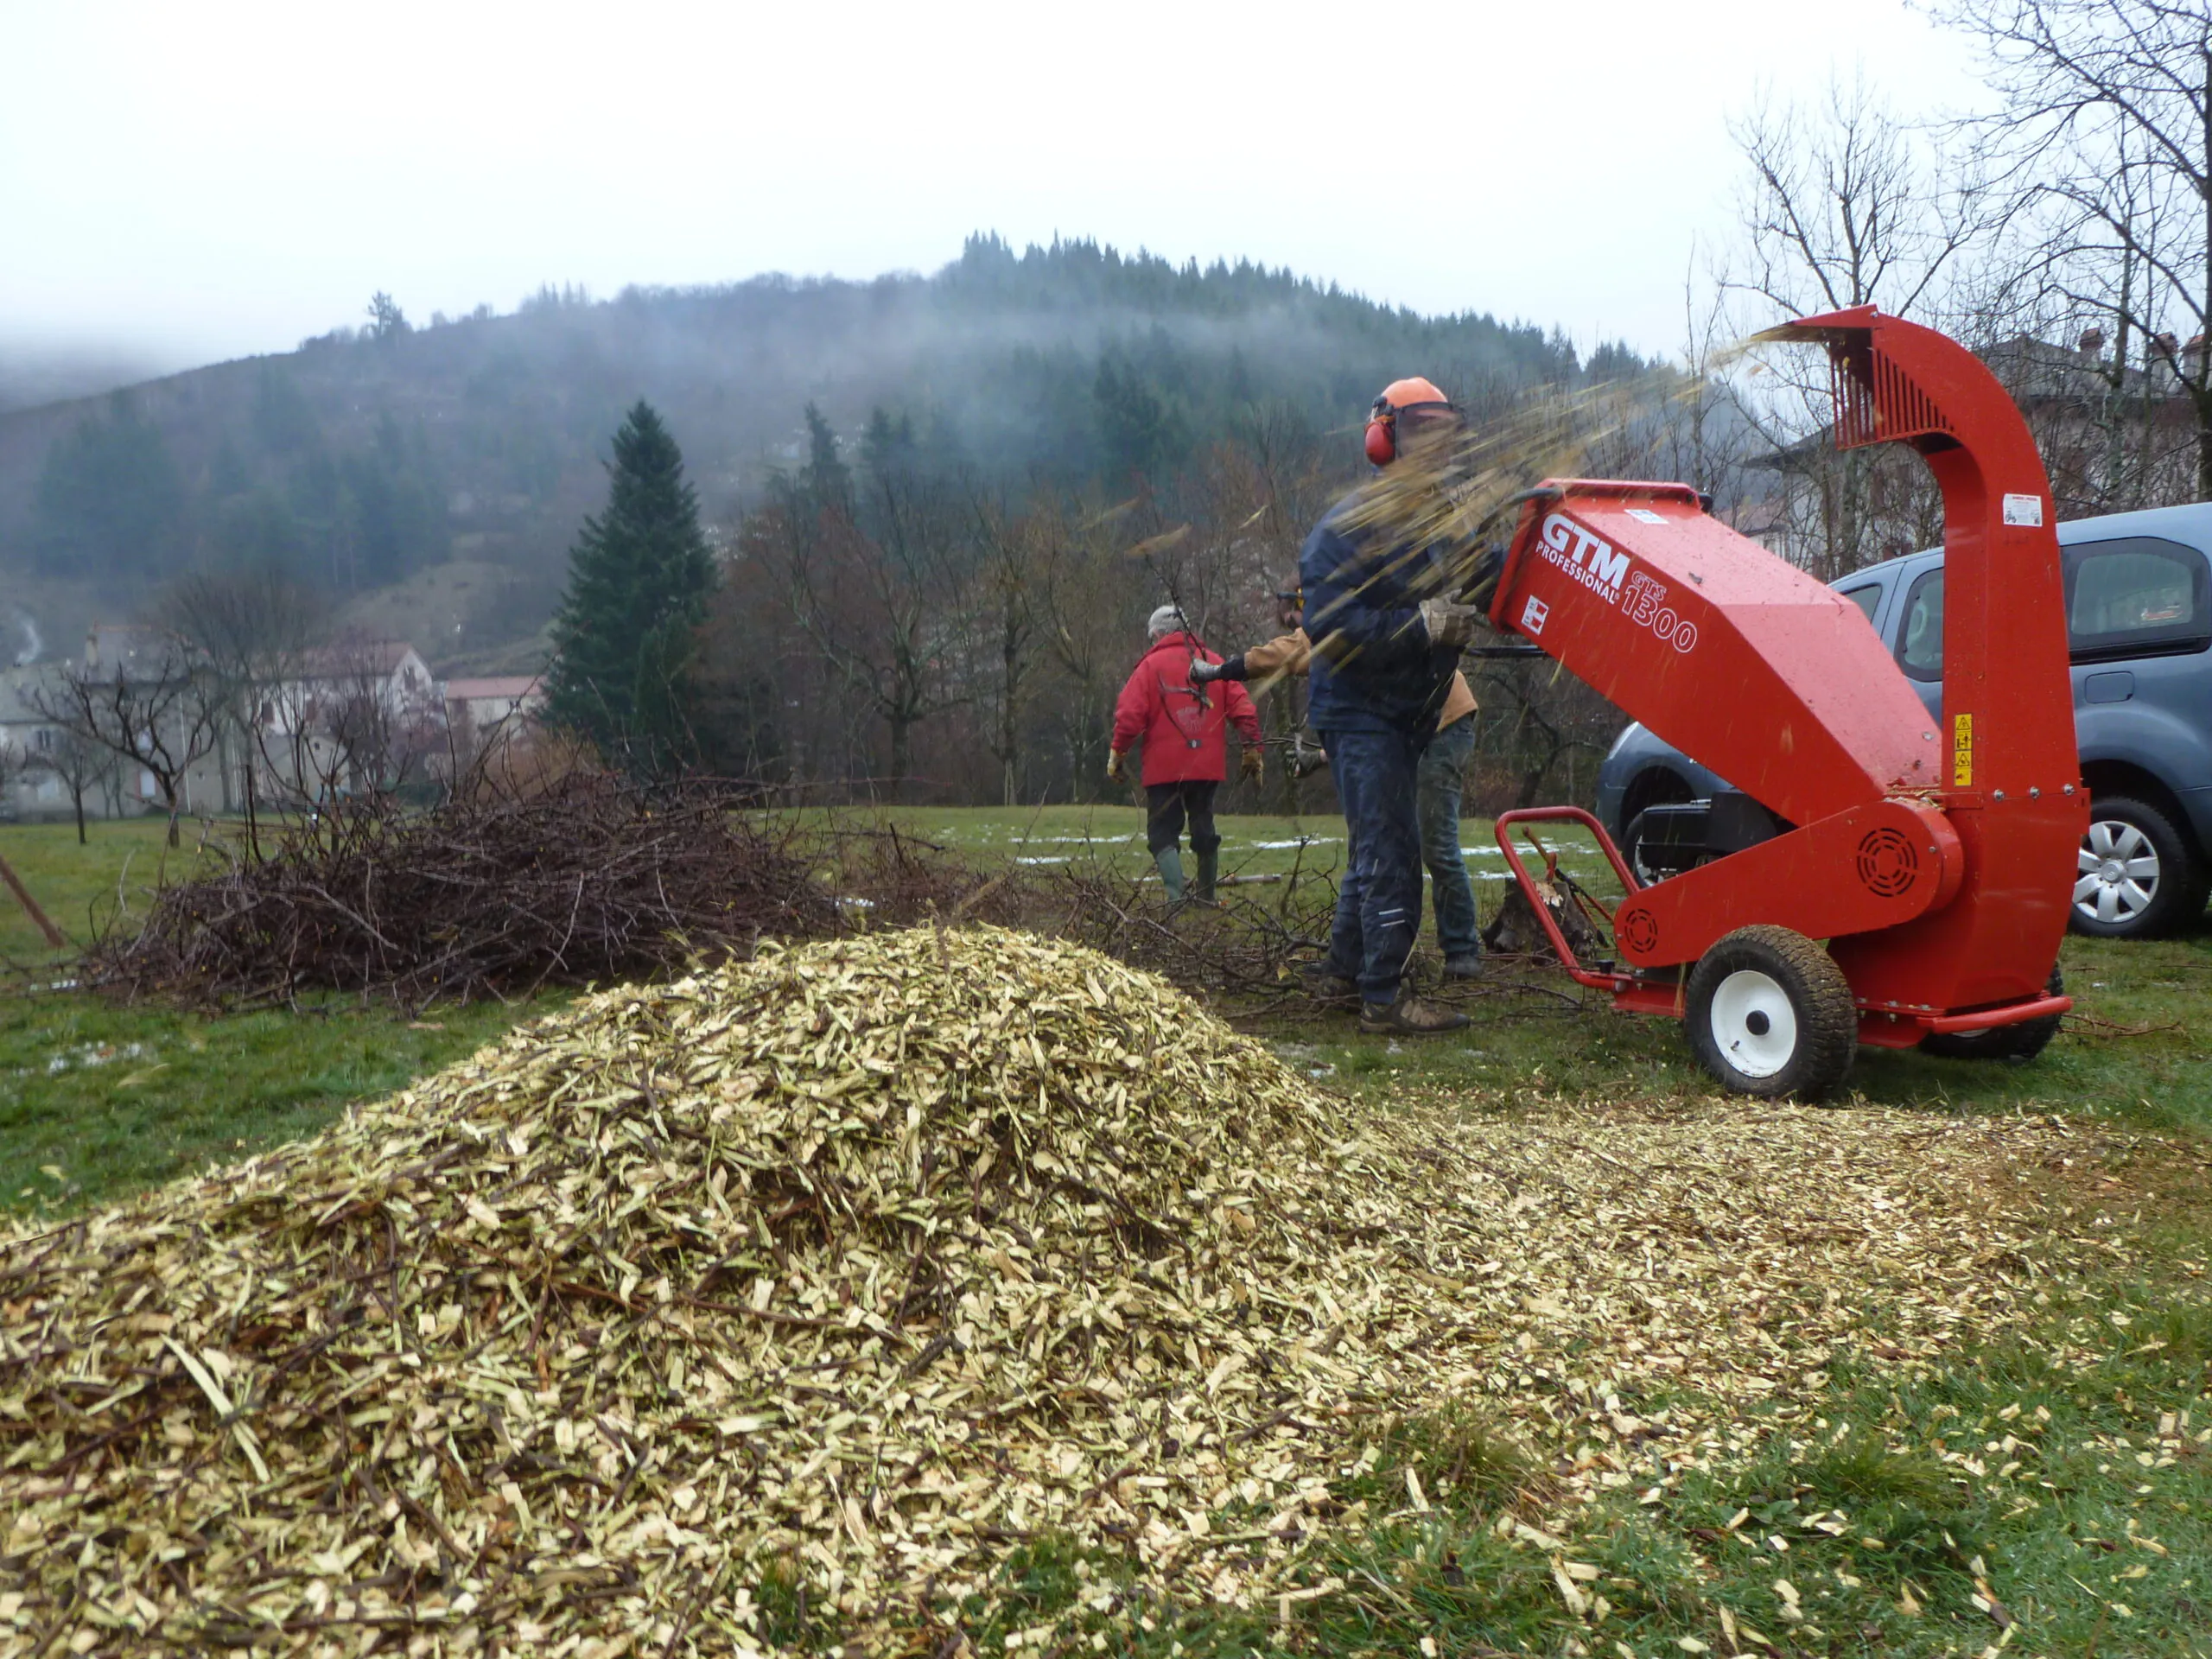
(1962,751)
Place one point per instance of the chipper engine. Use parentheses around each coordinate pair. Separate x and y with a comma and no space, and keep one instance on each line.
(1917,890)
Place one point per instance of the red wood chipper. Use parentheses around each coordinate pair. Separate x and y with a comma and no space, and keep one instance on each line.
(1934,862)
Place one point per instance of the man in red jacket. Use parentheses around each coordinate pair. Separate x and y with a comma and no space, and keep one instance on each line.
(1184,728)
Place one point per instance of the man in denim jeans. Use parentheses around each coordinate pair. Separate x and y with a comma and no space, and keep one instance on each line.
(1438,783)
(1386,645)
(1436,793)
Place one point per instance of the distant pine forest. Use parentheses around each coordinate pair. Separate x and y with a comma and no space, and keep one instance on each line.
(374,454)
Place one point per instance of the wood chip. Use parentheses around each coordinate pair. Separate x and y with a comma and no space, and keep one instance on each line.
(853,1266)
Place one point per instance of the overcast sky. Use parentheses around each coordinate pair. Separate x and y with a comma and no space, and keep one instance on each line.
(200,180)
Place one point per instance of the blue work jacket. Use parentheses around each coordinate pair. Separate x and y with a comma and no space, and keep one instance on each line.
(1374,669)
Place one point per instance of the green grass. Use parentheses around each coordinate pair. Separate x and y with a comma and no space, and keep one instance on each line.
(77,886)
(1048,837)
(97,1100)
(2138,1048)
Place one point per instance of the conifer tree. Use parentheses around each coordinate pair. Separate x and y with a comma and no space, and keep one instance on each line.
(638,577)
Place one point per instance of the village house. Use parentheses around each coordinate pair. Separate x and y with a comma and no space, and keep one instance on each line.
(349,715)
(478,707)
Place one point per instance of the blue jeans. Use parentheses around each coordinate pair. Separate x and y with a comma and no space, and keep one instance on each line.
(1378,905)
(1443,768)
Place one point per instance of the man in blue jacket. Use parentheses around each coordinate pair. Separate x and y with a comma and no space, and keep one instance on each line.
(1386,640)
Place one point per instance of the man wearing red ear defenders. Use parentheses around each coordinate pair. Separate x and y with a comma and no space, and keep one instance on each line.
(1387,639)
(1418,402)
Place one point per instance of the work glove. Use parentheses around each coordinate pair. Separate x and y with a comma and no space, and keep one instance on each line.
(1448,623)
(1253,765)
(1204,672)
(1113,773)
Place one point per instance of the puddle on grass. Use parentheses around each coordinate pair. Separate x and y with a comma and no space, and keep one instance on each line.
(87,1055)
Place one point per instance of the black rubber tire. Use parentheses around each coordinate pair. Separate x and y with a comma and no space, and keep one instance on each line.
(2178,897)
(2019,1044)
(1631,843)
(1824,1014)
(1658,787)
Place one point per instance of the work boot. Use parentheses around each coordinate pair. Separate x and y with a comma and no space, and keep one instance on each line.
(1468,967)
(1408,1017)
(1209,866)
(1171,872)
(1326,985)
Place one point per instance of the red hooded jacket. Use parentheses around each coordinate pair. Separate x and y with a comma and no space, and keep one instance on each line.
(1185,740)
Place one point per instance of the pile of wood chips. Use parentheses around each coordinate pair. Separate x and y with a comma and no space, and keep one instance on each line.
(853,1266)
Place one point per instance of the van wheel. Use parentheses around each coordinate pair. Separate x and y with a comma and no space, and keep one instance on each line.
(1769,1012)
(2137,876)
(1658,787)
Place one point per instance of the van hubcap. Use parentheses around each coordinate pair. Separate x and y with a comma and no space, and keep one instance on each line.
(2118,872)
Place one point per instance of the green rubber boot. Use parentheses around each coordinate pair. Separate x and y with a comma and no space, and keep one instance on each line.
(1171,872)
(1209,866)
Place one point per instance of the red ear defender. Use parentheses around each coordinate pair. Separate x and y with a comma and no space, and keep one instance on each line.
(1382,439)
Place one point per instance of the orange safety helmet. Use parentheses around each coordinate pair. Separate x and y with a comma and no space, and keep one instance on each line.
(1398,397)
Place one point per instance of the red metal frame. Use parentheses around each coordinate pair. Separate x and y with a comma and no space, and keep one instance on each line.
(1629,883)
(1937,859)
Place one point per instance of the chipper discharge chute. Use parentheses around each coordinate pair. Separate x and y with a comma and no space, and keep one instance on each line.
(1934,862)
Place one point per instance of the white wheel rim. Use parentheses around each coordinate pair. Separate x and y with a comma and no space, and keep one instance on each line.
(2116,872)
(1753,1025)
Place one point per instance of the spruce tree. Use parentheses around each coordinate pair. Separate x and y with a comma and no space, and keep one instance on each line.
(638,577)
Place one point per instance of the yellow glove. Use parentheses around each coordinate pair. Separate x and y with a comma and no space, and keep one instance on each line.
(1113,773)
(1252,764)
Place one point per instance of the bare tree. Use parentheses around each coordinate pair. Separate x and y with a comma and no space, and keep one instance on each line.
(1843,205)
(381,736)
(79,765)
(252,630)
(1084,598)
(151,710)
(879,589)
(2103,143)
(1007,616)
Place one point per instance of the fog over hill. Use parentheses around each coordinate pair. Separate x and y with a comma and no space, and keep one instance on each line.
(431,473)
(33,374)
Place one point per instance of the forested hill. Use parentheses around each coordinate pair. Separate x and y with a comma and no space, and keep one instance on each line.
(375,457)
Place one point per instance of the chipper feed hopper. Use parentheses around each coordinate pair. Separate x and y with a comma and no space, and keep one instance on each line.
(1918,887)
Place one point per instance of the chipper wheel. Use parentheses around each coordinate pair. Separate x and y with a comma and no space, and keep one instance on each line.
(2019,1044)
(1770,1013)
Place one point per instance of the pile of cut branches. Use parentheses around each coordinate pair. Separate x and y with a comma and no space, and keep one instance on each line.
(1249,946)
(589,880)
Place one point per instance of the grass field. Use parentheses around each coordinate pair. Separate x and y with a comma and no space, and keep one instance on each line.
(2048,1493)
(97,1101)
(77,886)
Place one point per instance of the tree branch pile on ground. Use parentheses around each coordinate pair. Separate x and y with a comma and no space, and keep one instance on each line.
(489,894)
(773,1307)
(1248,947)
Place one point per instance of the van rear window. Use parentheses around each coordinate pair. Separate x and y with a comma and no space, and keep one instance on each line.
(2135,597)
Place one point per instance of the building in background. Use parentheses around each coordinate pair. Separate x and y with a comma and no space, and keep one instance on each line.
(348,716)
